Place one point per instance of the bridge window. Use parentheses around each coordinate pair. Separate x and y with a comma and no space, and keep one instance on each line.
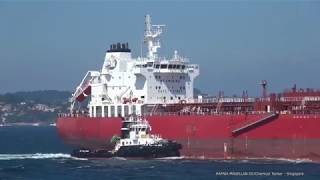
(170,66)
(182,77)
(157,66)
(183,67)
(163,66)
(150,64)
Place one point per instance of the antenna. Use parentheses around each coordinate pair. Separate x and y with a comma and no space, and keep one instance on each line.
(141,42)
(151,37)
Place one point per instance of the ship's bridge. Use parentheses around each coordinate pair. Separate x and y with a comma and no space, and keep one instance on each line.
(124,83)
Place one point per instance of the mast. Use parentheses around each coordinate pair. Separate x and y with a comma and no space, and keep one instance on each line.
(151,37)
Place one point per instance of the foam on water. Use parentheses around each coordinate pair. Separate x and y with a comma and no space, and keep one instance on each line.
(119,158)
(264,160)
(171,158)
(291,160)
(35,156)
(53,124)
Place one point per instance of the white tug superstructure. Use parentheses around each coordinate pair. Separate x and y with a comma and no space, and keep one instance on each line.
(125,84)
(137,133)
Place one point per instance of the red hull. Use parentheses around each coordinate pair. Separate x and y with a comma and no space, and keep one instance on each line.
(210,136)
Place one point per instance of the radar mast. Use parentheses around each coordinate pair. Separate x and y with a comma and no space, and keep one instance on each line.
(151,37)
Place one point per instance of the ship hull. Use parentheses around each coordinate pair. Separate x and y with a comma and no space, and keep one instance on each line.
(210,136)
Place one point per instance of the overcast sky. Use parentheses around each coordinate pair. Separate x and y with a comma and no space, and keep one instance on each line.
(52,44)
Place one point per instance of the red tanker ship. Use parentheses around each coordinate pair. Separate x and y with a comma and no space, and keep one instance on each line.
(283,125)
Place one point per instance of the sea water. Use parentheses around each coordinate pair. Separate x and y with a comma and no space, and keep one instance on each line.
(36,152)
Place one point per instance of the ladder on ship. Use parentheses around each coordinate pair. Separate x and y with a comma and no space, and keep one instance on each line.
(219,106)
(154,108)
(254,124)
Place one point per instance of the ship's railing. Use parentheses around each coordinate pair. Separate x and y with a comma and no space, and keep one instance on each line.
(202,113)
(142,60)
(211,113)
(250,99)
(214,113)
(306,98)
(223,100)
(60,115)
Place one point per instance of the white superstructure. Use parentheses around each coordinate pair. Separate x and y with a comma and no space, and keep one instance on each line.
(138,134)
(124,83)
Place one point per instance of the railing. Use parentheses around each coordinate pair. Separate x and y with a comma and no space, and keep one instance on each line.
(223,100)
(203,113)
(199,113)
(73,115)
(306,98)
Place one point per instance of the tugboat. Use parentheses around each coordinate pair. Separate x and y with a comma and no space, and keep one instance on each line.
(135,142)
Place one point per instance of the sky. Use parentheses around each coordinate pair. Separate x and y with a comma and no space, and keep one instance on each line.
(52,44)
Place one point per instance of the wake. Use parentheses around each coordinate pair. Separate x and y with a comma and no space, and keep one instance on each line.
(36,156)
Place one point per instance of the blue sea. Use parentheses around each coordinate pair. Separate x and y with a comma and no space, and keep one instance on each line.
(36,152)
